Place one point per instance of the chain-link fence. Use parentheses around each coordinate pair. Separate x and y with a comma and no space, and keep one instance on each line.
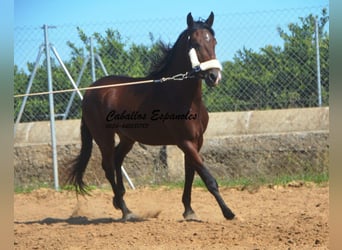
(269,59)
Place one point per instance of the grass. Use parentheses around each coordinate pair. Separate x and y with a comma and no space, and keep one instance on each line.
(321,178)
(30,188)
(241,183)
(282,180)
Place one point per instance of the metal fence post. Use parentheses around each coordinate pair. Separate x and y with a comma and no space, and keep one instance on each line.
(92,59)
(51,106)
(29,85)
(319,87)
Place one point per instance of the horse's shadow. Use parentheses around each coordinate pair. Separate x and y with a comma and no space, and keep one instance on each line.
(83,220)
(79,220)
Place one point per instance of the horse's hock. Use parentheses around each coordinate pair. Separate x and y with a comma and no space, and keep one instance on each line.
(236,144)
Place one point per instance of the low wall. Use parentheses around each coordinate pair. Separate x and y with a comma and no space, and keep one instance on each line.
(236,144)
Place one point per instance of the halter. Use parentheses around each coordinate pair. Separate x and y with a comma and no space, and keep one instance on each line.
(198,66)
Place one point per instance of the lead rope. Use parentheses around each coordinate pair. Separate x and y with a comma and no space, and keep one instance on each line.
(197,66)
(178,77)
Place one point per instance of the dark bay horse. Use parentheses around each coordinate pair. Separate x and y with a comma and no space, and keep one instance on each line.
(169,113)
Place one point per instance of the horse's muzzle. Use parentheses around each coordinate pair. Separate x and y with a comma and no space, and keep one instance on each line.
(212,77)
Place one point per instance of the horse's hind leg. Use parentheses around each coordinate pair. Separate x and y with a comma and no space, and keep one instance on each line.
(121,150)
(106,145)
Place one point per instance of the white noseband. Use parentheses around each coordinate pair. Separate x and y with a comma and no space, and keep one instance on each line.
(203,66)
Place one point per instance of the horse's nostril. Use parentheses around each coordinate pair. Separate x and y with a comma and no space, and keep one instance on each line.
(212,77)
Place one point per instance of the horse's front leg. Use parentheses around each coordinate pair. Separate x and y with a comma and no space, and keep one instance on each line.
(195,162)
(188,214)
(212,186)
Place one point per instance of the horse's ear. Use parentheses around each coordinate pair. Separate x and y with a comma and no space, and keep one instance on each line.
(210,19)
(190,20)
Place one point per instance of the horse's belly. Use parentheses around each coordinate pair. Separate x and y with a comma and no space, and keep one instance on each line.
(149,136)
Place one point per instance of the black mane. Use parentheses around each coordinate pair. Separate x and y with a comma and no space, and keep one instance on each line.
(167,52)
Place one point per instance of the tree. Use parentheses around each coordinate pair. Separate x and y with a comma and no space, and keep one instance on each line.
(276,77)
(300,58)
(118,58)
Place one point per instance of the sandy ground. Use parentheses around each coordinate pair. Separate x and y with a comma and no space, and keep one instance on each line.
(292,217)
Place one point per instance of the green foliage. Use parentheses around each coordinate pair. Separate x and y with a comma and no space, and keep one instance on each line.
(256,182)
(275,77)
(118,59)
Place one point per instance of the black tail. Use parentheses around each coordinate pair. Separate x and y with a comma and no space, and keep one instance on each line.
(80,163)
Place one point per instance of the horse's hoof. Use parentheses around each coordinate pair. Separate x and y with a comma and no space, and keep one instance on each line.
(131,217)
(190,216)
(229,215)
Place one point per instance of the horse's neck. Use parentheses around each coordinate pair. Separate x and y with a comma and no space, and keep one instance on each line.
(193,88)
(188,89)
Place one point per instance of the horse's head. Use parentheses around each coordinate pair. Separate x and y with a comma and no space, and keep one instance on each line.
(202,44)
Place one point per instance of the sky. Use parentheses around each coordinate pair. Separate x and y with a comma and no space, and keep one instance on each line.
(237,23)
(54,12)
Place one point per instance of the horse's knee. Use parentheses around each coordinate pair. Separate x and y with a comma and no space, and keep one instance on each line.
(212,185)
